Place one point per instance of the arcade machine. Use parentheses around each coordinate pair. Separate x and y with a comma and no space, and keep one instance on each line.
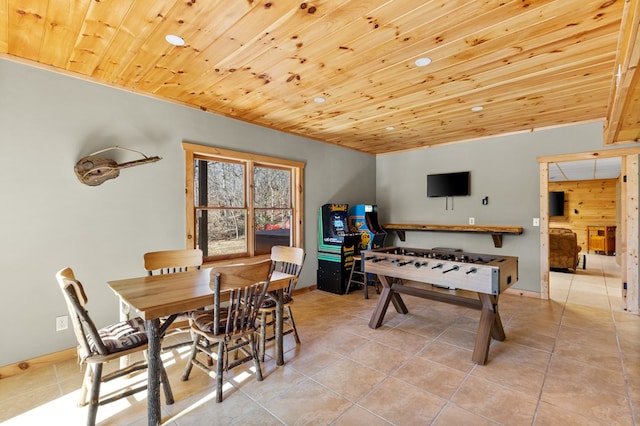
(336,248)
(363,219)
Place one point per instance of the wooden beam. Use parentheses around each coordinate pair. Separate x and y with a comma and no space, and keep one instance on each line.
(544,230)
(610,153)
(626,69)
(632,293)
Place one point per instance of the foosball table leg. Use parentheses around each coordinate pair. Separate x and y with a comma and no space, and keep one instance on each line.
(387,295)
(381,308)
(490,326)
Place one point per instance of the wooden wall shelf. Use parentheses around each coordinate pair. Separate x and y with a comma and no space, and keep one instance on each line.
(495,230)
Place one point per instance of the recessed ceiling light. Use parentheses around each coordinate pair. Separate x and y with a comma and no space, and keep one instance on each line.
(477,108)
(423,62)
(174,39)
(390,128)
(319,99)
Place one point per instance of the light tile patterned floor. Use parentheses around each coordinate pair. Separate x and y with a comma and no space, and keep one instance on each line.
(572,360)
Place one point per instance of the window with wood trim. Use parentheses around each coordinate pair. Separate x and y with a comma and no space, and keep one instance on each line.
(241,204)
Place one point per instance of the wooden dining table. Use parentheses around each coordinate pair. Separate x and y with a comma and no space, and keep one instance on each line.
(167,295)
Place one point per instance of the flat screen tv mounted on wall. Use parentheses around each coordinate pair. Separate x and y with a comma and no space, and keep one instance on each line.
(448,184)
(556,203)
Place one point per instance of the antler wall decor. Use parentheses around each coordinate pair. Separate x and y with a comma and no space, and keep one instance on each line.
(93,171)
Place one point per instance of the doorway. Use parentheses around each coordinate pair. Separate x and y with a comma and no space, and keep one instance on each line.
(628,221)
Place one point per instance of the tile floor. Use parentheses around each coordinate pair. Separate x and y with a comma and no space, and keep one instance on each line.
(573,360)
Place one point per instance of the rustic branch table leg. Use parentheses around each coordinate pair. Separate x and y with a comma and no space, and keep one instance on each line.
(153,386)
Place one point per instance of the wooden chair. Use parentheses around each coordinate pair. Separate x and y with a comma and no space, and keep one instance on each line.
(169,262)
(99,346)
(288,260)
(232,328)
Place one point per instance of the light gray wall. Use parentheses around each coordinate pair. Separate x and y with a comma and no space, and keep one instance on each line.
(49,220)
(505,169)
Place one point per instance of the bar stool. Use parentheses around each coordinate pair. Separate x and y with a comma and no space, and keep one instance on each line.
(358,277)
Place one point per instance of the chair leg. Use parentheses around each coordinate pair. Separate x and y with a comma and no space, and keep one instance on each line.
(222,346)
(189,366)
(166,387)
(273,323)
(293,324)
(263,334)
(94,396)
(256,359)
(86,384)
(353,267)
(366,286)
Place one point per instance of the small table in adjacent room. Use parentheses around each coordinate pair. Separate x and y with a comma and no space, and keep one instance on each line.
(601,239)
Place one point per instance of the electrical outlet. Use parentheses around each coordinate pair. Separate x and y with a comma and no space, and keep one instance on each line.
(472,221)
(536,221)
(62,323)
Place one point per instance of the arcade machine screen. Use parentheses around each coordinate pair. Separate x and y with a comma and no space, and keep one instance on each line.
(337,229)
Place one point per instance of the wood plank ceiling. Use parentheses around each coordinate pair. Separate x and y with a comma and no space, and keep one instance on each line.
(528,64)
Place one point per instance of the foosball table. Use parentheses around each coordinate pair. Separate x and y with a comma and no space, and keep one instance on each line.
(434,270)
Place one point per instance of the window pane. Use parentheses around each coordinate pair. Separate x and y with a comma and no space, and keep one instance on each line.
(273,228)
(225,232)
(272,187)
(218,184)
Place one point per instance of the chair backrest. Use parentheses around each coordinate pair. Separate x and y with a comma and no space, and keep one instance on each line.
(170,261)
(249,283)
(83,327)
(288,260)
